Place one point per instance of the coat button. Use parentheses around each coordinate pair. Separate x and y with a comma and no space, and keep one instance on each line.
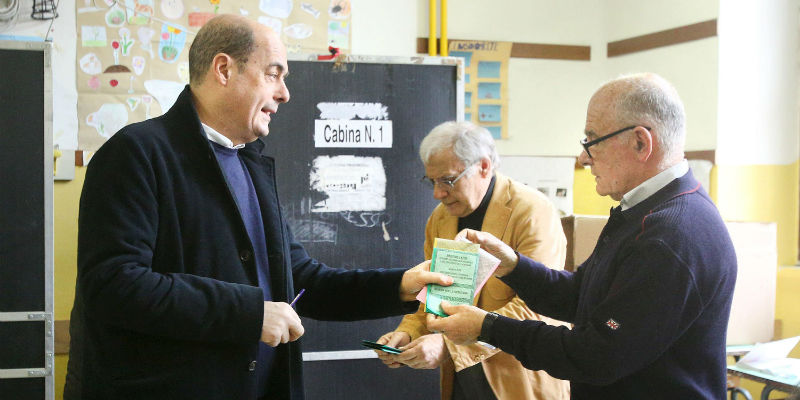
(252,366)
(244,255)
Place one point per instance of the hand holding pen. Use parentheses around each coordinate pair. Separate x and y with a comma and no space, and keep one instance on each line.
(281,323)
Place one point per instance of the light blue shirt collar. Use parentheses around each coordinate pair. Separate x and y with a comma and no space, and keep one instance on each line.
(654,184)
(219,138)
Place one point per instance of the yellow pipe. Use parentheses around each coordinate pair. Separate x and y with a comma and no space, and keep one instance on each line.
(444,48)
(432,27)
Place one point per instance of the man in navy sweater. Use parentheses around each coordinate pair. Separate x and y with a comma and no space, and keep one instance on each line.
(650,306)
(186,266)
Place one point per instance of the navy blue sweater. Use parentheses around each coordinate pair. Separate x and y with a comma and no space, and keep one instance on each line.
(650,306)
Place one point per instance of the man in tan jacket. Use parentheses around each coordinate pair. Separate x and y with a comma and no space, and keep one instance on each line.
(459,159)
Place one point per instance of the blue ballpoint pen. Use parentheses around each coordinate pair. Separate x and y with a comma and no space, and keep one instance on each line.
(297,297)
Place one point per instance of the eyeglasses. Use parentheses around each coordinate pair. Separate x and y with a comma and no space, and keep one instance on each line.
(589,143)
(447,182)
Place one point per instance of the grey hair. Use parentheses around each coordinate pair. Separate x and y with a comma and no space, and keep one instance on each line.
(469,142)
(650,99)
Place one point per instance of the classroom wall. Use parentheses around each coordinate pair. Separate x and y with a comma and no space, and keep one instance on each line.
(740,90)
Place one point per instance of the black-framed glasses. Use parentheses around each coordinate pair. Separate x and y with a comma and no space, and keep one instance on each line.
(589,143)
(447,182)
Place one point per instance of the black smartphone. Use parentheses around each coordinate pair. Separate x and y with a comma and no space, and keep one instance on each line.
(381,347)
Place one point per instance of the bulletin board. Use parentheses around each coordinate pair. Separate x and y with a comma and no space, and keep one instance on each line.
(132,55)
(26,221)
(347,162)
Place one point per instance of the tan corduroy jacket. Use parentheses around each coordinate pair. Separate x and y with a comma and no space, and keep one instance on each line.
(526,220)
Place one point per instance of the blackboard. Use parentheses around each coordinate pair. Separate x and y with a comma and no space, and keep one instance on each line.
(26,272)
(416,98)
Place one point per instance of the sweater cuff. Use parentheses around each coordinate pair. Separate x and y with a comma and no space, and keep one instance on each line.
(527,273)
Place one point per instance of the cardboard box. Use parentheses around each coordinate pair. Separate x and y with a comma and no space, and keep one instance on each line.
(753,309)
(582,232)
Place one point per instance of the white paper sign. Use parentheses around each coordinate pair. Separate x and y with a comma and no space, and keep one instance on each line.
(352,183)
(352,133)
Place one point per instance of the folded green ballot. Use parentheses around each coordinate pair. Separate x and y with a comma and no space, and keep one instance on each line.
(460,261)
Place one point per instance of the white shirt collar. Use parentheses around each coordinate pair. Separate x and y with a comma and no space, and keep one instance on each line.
(219,138)
(654,184)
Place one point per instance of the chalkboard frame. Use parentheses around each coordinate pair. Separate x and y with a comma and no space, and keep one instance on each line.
(26,375)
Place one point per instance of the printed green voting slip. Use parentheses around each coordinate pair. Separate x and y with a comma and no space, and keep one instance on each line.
(460,261)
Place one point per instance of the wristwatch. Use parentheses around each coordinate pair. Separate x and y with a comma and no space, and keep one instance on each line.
(486,327)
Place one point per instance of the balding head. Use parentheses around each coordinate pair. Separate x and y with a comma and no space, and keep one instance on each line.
(227,33)
(648,99)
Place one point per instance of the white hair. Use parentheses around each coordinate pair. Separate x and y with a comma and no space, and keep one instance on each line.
(648,99)
(469,142)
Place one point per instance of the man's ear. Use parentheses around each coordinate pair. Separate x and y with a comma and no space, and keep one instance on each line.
(486,167)
(644,142)
(221,67)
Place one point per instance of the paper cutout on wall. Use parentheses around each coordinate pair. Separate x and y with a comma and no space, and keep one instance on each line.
(110,118)
(298,31)
(338,34)
(139,11)
(90,64)
(93,36)
(138,63)
(276,8)
(171,43)
(183,71)
(172,9)
(116,68)
(307,7)
(115,17)
(94,83)
(133,102)
(198,19)
(145,38)
(165,92)
(125,41)
(339,9)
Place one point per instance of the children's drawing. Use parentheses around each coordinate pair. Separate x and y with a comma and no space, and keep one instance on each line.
(198,19)
(94,83)
(339,9)
(133,102)
(145,37)
(125,42)
(107,120)
(172,9)
(215,3)
(116,68)
(298,31)
(165,92)
(147,100)
(338,34)
(307,7)
(91,64)
(183,71)
(139,11)
(276,8)
(93,36)
(171,43)
(115,17)
(138,63)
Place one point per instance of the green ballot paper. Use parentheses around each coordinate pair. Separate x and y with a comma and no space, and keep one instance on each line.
(460,261)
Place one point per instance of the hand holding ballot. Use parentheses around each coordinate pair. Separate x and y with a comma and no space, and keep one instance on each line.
(494,246)
(463,324)
(416,278)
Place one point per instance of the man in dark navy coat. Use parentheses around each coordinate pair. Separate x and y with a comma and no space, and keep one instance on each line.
(650,306)
(185,262)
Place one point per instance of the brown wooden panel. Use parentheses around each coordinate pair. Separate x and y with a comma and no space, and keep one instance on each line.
(533,50)
(61,338)
(78,158)
(683,34)
(709,155)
